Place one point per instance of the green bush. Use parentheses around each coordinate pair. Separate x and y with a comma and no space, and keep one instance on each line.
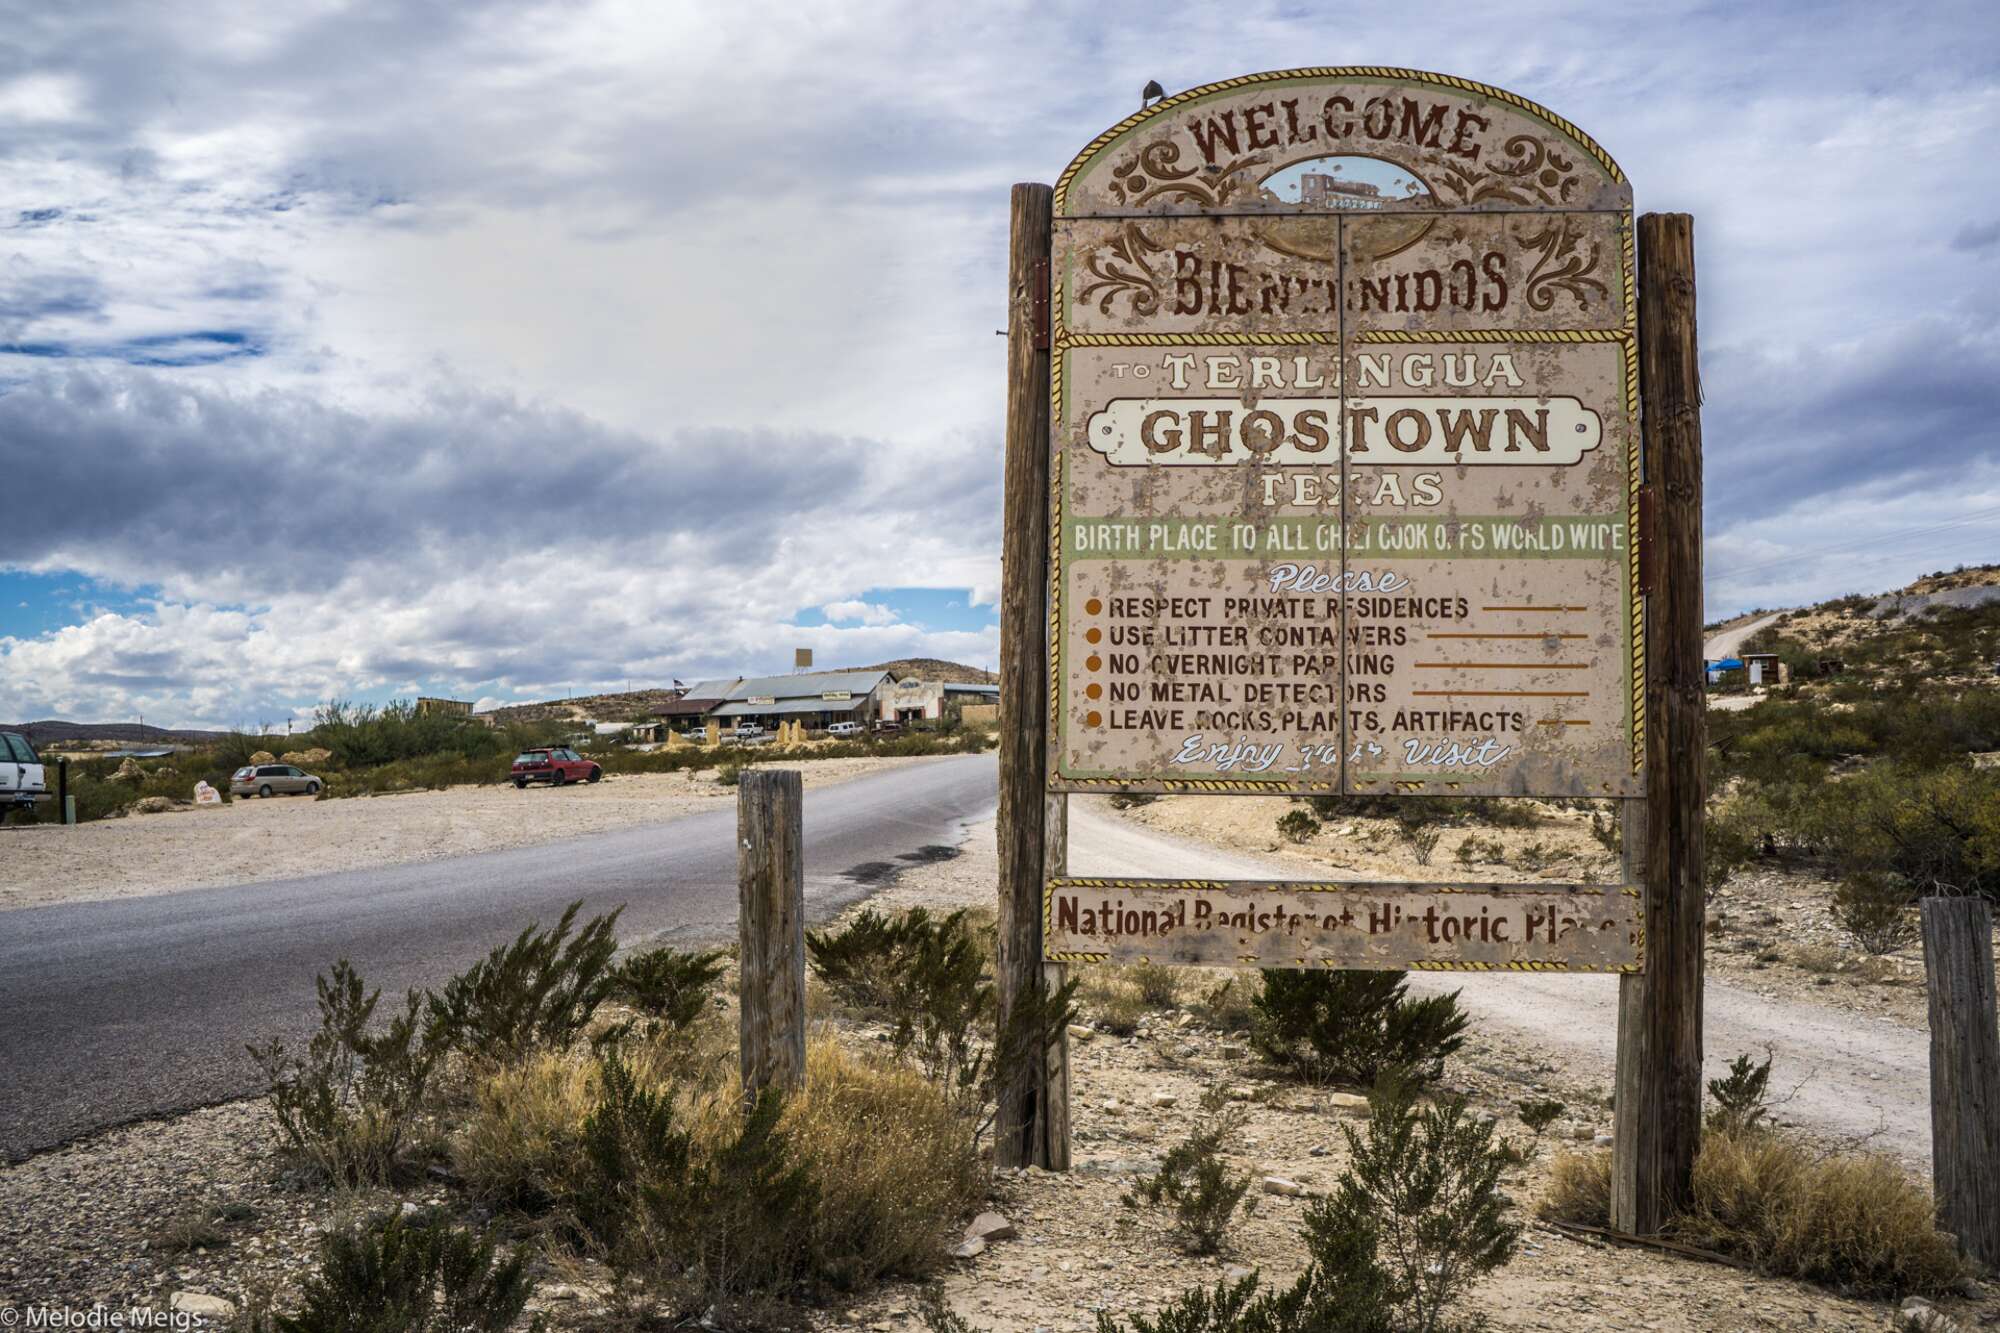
(409,1275)
(1415,1220)
(1742,1096)
(923,975)
(347,1106)
(1194,1180)
(544,988)
(1874,907)
(1298,826)
(668,985)
(1354,1027)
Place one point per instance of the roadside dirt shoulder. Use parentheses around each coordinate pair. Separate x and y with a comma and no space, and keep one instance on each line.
(251,840)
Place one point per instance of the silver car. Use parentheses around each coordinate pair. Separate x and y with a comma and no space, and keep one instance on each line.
(273,780)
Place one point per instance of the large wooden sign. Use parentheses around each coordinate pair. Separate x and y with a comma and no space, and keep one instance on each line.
(1343,484)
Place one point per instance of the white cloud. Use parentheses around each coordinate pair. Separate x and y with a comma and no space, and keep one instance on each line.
(868,613)
(537,346)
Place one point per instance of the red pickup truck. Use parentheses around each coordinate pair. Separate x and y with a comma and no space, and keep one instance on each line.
(554,766)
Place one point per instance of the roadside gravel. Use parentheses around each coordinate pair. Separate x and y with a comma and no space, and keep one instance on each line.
(248,841)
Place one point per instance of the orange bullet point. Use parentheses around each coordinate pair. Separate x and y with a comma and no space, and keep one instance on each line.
(1093,719)
(1094,691)
(1094,662)
(1093,635)
(1092,607)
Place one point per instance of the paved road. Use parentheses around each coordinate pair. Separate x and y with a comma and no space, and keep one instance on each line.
(1842,1073)
(113,1011)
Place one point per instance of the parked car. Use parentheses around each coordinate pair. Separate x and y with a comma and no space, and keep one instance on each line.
(888,724)
(273,780)
(556,766)
(843,730)
(745,730)
(23,778)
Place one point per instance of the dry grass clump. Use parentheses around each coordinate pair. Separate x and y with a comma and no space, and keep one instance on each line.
(1115,997)
(893,1158)
(1850,1219)
(1579,1189)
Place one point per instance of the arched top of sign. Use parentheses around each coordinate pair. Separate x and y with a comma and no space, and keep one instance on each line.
(1334,139)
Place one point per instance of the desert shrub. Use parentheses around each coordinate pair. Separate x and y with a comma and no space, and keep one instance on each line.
(1538,1113)
(1354,807)
(1873,907)
(1353,1027)
(1227,1005)
(1415,1220)
(1421,1192)
(543,989)
(347,1105)
(1112,1006)
(1158,986)
(1849,1220)
(729,775)
(1298,826)
(1131,800)
(409,1275)
(1194,1180)
(1742,1096)
(668,985)
(1422,841)
(925,975)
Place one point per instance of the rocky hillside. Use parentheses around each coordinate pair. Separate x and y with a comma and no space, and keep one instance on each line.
(107,735)
(1942,629)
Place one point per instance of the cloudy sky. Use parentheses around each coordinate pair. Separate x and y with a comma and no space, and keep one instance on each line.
(511,350)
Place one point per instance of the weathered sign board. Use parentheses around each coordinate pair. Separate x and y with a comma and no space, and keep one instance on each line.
(1344,496)
(1350,925)
(1344,471)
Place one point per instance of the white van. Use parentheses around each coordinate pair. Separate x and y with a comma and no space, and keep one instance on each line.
(843,730)
(23,779)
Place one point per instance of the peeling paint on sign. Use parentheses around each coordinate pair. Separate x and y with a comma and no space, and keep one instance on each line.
(1345,445)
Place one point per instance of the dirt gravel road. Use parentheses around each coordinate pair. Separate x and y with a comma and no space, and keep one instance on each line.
(1840,1074)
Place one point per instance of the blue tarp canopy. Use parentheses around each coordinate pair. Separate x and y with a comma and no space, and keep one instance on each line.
(1727,664)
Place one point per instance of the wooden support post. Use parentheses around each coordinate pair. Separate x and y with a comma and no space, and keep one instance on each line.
(1054,1144)
(771,930)
(1659,1084)
(65,812)
(1022,1133)
(1965,1073)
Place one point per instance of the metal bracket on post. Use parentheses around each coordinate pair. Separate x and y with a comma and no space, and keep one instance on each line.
(1039,298)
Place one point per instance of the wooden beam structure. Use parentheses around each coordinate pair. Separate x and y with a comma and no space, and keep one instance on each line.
(1027,1129)
(1657,1117)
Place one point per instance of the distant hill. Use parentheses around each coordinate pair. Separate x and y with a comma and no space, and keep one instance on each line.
(1944,628)
(49,730)
(633,706)
(933,668)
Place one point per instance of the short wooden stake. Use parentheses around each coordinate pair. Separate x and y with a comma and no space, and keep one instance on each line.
(771,930)
(1965,1073)
(1025,1131)
(1657,1119)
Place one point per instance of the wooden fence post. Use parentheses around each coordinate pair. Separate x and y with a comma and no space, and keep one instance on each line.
(1965,1073)
(1657,1118)
(771,930)
(1022,1122)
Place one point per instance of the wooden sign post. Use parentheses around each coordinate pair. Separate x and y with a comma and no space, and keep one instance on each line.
(771,924)
(1328,384)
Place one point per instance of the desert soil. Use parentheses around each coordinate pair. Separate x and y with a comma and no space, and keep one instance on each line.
(248,841)
(85,1223)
